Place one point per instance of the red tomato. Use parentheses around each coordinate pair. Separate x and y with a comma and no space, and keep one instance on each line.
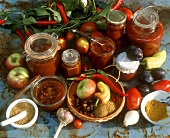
(62,42)
(88,27)
(128,13)
(77,123)
(162,85)
(96,34)
(133,100)
(82,45)
(84,67)
(70,36)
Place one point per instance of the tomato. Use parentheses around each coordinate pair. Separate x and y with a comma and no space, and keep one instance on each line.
(133,100)
(162,85)
(82,45)
(88,27)
(70,36)
(84,67)
(77,123)
(62,42)
(128,13)
(96,34)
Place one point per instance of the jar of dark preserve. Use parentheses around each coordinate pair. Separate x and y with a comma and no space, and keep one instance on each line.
(116,22)
(71,63)
(41,54)
(145,31)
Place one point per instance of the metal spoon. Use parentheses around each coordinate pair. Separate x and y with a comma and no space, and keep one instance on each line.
(13,119)
(85,35)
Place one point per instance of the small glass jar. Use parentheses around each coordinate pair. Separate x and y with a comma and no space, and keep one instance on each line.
(102,55)
(116,21)
(145,31)
(41,54)
(71,63)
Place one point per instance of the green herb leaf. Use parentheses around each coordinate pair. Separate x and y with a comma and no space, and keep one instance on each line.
(41,11)
(28,21)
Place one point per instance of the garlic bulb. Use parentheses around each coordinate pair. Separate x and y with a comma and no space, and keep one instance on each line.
(131,118)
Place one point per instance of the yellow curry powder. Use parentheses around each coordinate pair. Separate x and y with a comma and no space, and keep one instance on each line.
(156,110)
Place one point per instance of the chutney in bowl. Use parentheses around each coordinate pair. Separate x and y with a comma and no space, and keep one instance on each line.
(49,92)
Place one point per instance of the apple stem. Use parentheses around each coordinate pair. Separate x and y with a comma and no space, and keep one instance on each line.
(97,101)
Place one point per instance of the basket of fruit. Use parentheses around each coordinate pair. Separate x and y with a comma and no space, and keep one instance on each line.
(96,98)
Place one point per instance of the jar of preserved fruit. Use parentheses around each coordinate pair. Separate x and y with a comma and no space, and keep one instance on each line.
(71,63)
(41,52)
(116,22)
(102,55)
(145,31)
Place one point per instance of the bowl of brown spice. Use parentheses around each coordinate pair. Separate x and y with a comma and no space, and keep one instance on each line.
(20,105)
(155,107)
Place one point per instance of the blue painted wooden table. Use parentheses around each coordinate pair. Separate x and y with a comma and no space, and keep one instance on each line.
(47,123)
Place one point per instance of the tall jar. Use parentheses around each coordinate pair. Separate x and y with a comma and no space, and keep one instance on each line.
(71,63)
(41,52)
(145,31)
(116,22)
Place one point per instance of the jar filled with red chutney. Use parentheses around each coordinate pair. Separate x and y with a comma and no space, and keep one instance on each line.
(145,30)
(71,63)
(41,54)
(116,22)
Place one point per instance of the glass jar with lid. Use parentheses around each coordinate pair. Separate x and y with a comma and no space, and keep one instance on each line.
(145,30)
(71,63)
(116,22)
(41,52)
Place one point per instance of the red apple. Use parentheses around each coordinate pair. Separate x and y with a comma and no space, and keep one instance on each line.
(18,77)
(86,88)
(14,60)
(82,45)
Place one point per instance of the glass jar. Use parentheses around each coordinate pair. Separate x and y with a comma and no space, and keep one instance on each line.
(41,54)
(145,31)
(116,21)
(102,55)
(71,63)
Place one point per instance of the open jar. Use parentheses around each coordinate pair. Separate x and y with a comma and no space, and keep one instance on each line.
(41,52)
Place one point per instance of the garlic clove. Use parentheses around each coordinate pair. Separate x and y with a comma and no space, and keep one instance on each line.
(131,118)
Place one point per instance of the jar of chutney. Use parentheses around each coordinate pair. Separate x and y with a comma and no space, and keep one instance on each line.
(145,30)
(71,63)
(116,22)
(41,52)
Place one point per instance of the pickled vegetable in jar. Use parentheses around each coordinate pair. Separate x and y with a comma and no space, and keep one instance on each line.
(71,63)
(145,31)
(41,54)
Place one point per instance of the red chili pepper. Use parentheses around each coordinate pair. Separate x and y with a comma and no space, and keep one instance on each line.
(2,21)
(47,22)
(27,31)
(76,78)
(62,11)
(117,4)
(21,35)
(109,83)
(162,85)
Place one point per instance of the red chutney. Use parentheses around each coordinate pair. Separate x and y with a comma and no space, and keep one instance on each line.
(102,55)
(143,34)
(41,54)
(49,92)
(71,63)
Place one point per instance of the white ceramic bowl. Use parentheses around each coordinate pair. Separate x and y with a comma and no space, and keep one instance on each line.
(161,96)
(29,124)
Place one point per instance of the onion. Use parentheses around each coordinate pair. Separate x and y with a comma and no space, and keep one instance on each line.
(131,118)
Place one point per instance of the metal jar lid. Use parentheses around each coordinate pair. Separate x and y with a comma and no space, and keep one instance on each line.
(116,17)
(70,56)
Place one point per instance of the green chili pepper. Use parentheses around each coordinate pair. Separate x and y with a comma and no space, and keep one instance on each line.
(155,61)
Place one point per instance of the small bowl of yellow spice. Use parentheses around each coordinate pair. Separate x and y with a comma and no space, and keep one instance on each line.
(155,107)
(19,106)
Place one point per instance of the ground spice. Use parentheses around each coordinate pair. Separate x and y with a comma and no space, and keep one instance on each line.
(23,106)
(156,110)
